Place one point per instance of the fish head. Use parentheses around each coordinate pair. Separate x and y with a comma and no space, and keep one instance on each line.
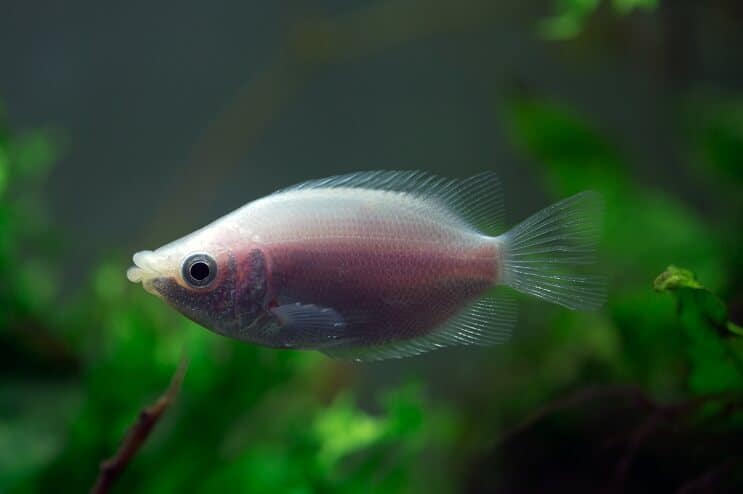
(208,279)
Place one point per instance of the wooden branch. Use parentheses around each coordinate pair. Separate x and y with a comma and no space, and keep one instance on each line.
(139,432)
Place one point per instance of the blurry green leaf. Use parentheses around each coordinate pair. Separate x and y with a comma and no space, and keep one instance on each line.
(3,171)
(33,421)
(569,20)
(32,154)
(561,27)
(734,328)
(643,321)
(715,364)
(627,6)
(714,125)
(564,142)
(36,285)
(343,429)
(572,15)
(109,283)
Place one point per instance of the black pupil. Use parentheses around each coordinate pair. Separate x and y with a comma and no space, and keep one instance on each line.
(199,271)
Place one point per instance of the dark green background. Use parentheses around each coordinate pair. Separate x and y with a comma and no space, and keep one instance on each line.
(127,125)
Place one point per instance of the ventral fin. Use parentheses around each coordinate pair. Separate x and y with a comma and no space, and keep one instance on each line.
(489,321)
(308,326)
(477,200)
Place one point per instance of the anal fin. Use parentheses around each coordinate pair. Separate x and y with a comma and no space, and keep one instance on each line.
(488,321)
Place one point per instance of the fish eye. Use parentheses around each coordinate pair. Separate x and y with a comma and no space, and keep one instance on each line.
(199,270)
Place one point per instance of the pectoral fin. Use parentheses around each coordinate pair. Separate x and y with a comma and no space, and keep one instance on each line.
(308,326)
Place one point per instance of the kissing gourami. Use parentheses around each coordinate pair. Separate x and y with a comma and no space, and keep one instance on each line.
(376,265)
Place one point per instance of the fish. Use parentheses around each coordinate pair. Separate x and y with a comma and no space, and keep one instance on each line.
(377,265)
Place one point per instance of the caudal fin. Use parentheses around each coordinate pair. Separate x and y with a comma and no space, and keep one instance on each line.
(541,253)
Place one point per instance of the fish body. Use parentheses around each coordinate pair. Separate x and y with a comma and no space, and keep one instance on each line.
(373,265)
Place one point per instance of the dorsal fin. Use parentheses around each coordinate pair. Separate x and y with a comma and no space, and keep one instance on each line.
(488,321)
(477,200)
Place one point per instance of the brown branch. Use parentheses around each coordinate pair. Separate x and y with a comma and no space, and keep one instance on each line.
(139,432)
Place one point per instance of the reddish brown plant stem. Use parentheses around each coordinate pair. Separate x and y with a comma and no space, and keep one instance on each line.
(111,468)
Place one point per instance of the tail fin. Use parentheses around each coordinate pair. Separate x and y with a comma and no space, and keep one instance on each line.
(540,252)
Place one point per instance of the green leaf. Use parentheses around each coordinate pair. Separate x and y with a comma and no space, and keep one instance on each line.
(675,277)
(715,365)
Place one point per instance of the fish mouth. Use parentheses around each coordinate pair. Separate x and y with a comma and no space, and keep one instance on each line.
(144,271)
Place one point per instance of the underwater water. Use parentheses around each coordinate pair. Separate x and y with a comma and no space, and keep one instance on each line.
(124,129)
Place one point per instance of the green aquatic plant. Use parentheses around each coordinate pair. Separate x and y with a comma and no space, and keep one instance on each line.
(714,344)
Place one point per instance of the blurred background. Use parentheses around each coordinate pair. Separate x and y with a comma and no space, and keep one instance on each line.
(126,125)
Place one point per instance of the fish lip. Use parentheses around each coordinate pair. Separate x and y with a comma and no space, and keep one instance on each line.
(144,271)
